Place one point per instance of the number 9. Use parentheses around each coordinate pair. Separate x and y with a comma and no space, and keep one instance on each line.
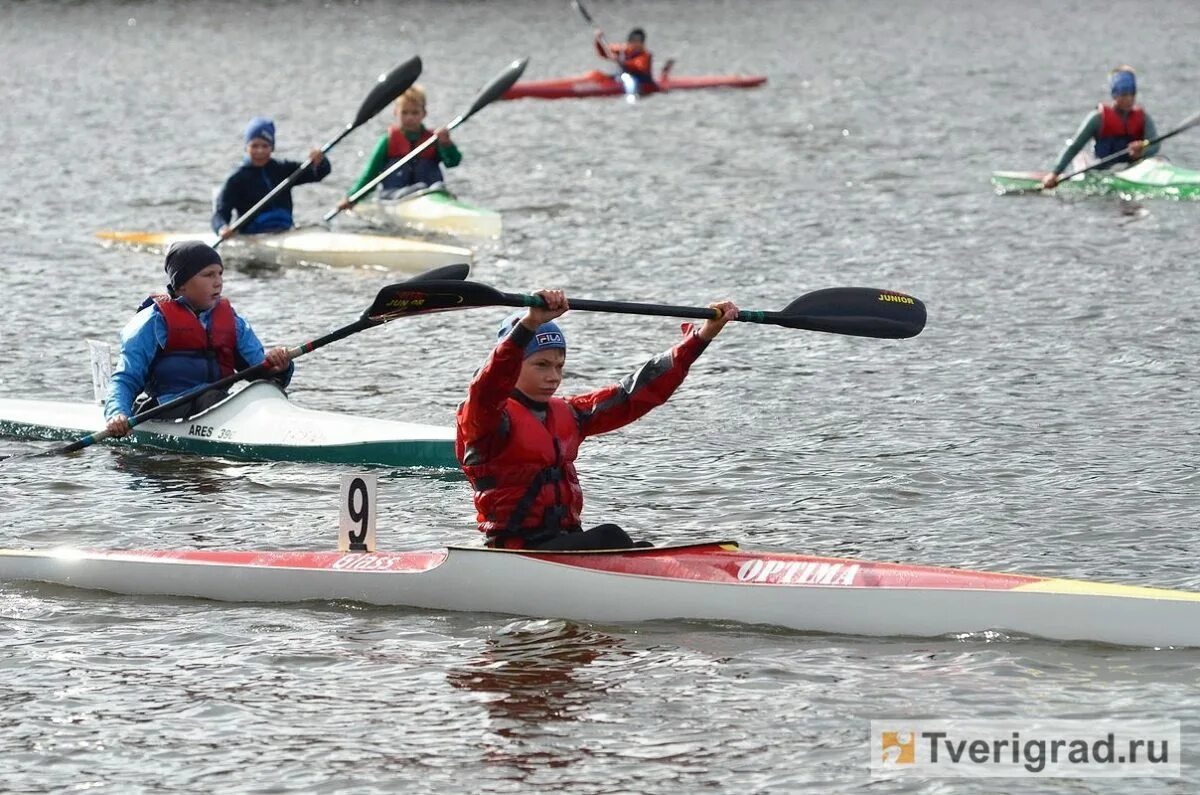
(360,512)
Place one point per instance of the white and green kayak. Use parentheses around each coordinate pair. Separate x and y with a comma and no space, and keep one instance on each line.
(432,211)
(311,246)
(258,423)
(1151,178)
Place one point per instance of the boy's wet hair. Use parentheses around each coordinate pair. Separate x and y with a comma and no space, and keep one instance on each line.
(637,33)
(415,95)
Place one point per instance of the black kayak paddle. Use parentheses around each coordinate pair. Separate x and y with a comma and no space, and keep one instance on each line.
(855,311)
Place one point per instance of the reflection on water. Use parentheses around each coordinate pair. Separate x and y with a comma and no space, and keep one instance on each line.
(530,668)
(175,475)
(529,675)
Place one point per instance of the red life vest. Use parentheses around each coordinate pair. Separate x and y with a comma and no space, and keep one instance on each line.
(640,64)
(1113,125)
(399,145)
(530,488)
(185,332)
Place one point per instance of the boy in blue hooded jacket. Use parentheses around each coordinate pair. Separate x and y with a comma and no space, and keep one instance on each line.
(257,176)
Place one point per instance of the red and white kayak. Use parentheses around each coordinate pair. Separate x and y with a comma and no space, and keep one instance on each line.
(711,582)
(599,84)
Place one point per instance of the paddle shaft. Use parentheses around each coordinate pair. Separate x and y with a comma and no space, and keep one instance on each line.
(656,310)
(592,23)
(1115,156)
(633,308)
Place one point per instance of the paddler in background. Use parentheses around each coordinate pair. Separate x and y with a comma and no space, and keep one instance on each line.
(409,132)
(257,176)
(180,341)
(635,60)
(517,442)
(1113,127)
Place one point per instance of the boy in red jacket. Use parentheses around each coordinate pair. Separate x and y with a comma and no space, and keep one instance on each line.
(517,442)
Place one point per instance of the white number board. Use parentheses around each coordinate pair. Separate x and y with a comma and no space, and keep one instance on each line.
(101,368)
(356,526)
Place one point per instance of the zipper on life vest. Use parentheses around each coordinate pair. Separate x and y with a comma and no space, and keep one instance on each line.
(558,484)
(210,353)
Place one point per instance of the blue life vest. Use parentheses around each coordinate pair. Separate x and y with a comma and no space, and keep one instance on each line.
(269,219)
(272,219)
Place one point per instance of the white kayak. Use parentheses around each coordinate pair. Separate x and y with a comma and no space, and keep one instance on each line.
(436,211)
(710,582)
(311,246)
(258,423)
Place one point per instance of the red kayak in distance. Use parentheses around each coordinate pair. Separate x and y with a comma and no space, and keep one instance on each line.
(600,84)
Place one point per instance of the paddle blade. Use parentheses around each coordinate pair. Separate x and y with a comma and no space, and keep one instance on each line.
(495,89)
(457,272)
(857,311)
(390,85)
(422,297)
(147,239)
(1189,122)
(584,12)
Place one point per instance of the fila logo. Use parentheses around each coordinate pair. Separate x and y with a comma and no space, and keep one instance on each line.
(549,338)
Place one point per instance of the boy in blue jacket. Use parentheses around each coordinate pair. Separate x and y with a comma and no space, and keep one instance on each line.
(180,341)
(258,174)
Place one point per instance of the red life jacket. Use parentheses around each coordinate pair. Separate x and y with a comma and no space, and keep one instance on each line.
(530,488)
(1113,125)
(185,332)
(399,146)
(641,64)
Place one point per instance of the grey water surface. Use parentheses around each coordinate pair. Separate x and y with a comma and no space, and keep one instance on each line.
(1045,422)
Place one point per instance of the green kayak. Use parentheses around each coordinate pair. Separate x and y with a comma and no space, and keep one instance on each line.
(1152,178)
